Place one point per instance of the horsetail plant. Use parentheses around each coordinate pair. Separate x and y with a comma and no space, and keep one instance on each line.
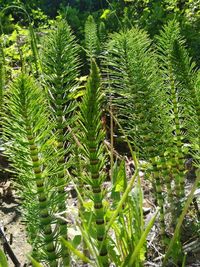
(27,133)
(102,33)
(60,68)
(133,75)
(92,149)
(2,76)
(187,77)
(176,95)
(91,38)
(34,48)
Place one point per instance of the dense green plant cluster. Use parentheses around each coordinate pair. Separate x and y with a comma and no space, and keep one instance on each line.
(54,132)
(27,133)
(150,15)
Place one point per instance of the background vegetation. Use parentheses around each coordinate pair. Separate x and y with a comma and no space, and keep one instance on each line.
(84,86)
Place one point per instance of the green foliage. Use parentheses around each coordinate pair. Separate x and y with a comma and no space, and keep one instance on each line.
(92,148)
(54,142)
(11,44)
(91,38)
(69,246)
(60,64)
(34,262)
(172,248)
(102,33)
(175,96)
(152,15)
(3,260)
(27,131)
(155,105)
(179,77)
(132,73)
(186,81)
(72,16)
(60,68)
(129,225)
(2,75)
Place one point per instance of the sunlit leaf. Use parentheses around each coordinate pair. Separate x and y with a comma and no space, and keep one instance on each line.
(3,260)
(34,262)
(105,14)
(79,254)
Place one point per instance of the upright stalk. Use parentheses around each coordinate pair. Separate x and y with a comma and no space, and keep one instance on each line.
(93,137)
(60,65)
(45,218)
(27,129)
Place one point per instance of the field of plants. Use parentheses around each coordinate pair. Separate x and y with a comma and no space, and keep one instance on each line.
(100,133)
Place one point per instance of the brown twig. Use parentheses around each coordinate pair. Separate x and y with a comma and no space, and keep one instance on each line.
(8,249)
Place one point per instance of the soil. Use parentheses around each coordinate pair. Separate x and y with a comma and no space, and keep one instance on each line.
(12,225)
(14,228)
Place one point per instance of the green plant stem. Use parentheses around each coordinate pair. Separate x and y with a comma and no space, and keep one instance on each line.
(45,218)
(141,241)
(178,158)
(2,76)
(159,198)
(34,50)
(111,140)
(181,218)
(93,137)
(123,199)
(61,182)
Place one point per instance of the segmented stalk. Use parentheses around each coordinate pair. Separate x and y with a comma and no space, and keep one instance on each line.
(91,38)
(186,74)
(175,107)
(166,173)
(2,75)
(102,33)
(45,218)
(61,179)
(60,67)
(159,196)
(177,157)
(34,49)
(27,127)
(93,136)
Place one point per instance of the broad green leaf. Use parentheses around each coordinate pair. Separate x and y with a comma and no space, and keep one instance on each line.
(3,260)
(121,178)
(13,36)
(88,205)
(76,241)
(79,254)
(77,94)
(115,195)
(34,262)
(141,242)
(113,253)
(124,196)
(105,14)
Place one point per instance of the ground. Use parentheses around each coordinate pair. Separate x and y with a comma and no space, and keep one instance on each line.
(11,223)
(14,228)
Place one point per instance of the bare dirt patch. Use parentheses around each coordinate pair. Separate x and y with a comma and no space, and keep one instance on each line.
(12,225)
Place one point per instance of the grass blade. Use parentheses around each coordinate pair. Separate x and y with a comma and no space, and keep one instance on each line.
(141,241)
(181,218)
(3,260)
(80,255)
